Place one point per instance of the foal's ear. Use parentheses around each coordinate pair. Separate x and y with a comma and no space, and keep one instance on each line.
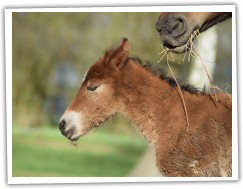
(124,44)
(119,56)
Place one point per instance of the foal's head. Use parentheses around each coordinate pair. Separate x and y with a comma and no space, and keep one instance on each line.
(98,97)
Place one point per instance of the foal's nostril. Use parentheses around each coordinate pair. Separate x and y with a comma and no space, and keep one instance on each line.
(62,124)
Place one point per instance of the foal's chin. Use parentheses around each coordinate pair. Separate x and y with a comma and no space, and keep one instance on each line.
(73,125)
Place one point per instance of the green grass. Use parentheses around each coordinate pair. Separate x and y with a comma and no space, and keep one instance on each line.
(46,152)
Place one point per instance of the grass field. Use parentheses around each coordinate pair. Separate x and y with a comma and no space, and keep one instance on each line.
(46,152)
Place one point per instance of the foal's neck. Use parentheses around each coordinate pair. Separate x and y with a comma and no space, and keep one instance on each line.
(150,103)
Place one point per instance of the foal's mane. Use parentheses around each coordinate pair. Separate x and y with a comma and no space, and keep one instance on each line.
(160,72)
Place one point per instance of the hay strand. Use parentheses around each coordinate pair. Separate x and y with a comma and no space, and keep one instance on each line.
(181,95)
(167,52)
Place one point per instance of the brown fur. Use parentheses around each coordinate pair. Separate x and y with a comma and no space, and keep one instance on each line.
(155,108)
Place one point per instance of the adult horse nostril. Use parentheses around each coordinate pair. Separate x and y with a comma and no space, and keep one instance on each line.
(178,26)
(171,27)
(62,124)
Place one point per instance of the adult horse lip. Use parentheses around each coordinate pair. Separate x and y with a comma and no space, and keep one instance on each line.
(183,48)
(177,49)
(180,49)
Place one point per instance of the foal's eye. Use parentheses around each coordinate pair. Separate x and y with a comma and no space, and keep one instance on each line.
(92,87)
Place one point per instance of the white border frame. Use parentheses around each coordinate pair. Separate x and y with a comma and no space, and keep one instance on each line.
(8,50)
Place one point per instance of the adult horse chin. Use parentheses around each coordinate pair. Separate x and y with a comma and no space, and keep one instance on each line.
(176,28)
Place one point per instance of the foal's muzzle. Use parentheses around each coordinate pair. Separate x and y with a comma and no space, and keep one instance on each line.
(69,131)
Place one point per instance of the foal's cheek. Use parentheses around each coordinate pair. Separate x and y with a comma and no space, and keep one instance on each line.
(102,94)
